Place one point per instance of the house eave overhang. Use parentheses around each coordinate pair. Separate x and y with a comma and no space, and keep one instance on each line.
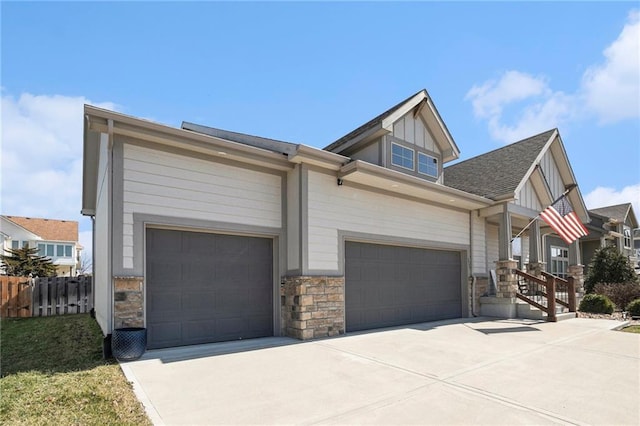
(98,121)
(318,157)
(392,181)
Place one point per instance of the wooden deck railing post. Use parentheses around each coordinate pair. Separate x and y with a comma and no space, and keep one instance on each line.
(551,299)
(572,294)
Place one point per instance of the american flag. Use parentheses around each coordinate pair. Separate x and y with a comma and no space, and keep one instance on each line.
(561,217)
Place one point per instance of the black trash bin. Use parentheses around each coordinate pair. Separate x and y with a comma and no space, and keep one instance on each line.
(128,344)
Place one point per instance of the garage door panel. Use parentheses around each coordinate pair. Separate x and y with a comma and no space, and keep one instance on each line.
(199,301)
(392,285)
(160,303)
(165,333)
(163,271)
(209,289)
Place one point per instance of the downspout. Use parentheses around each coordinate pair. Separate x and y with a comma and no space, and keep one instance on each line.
(472,276)
(110,222)
(93,266)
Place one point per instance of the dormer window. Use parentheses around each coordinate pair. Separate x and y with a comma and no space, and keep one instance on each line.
(402,156)
(427,165)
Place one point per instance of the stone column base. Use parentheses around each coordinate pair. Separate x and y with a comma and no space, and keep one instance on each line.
(536,268)
(507,285)
(312,306)
(128,302)
(577,272)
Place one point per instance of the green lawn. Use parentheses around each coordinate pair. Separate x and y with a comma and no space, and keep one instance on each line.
(52,372)
(632,329)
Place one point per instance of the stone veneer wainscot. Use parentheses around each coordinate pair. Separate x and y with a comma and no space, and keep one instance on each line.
(128,303)
(312,306)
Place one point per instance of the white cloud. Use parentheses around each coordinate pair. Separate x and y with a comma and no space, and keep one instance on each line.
(41,156)
(603,197)
(612,89)
(609,91)
(489,98)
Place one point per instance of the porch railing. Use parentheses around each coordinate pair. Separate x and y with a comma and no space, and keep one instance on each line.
(547,293)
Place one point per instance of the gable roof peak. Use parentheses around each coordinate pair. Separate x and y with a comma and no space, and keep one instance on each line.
(383,123)
(48,229)
(499,172)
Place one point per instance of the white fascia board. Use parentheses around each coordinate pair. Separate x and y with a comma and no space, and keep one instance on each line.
(8,224)
(534,164)
(318,157)
(387,123)
(393,181)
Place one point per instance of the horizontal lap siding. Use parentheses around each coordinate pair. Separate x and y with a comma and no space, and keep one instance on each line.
(167,184)
(333,208)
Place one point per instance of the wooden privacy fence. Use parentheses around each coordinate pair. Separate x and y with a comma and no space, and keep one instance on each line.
(15,296)
(40,297)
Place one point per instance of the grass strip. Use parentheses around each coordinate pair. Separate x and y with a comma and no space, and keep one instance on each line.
(52,372)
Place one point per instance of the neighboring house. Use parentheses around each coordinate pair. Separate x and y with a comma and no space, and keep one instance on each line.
(205,235)
(611,226)
(56,239)
(636,245)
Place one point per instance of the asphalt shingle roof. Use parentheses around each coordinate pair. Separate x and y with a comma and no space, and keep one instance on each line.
(368,125)
(498,172)
(618,212)
(48,229)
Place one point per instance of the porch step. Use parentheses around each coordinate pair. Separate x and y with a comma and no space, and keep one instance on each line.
(524,310)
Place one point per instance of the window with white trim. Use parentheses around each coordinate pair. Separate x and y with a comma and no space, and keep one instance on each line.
(55,250)
(559,261)
(427,165)
(401,156)
(627,237)
(16,244)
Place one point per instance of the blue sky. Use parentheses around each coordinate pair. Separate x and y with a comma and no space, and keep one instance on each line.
(311,72)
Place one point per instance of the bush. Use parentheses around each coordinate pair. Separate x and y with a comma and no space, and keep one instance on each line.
(596,304)
(634,308)
(609,266)
(621,294)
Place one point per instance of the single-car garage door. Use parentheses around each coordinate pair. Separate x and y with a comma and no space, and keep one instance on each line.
(204,287)
(390,285)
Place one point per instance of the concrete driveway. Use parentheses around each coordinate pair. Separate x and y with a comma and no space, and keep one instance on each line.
(472,371)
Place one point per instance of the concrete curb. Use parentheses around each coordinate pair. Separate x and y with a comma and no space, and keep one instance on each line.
(621,326)
(142,396)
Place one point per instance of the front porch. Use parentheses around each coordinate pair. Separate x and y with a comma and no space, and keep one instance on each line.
(521,286)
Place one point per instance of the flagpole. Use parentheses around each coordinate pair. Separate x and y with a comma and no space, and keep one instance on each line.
(564,194)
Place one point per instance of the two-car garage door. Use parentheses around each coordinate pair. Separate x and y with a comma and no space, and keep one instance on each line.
(390,285)
(204,287)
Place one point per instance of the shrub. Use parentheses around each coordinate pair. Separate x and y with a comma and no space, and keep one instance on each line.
(621,294)
(596,304)
(609,266)
(634,308)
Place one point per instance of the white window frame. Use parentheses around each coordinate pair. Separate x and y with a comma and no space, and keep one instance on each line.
(559,258)
(428,157)
(413,156)
(627,237)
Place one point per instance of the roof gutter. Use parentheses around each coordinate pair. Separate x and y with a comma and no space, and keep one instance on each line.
(402,178)
(318,157)
(124,125)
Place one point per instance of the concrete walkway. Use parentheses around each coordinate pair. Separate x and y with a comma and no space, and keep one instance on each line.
(479,371)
